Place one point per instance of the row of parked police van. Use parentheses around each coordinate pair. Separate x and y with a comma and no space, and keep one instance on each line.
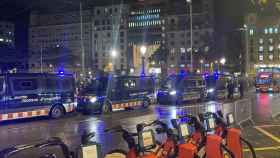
(27,95)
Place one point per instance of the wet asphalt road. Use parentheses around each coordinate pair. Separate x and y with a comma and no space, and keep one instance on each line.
(71,127)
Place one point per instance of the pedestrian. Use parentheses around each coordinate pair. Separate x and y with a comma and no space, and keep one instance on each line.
(230,89)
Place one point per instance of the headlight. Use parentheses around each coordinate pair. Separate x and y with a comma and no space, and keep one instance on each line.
(211,90)
(173,92)
(93,99)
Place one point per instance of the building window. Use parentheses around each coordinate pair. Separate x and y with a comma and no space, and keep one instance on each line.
(116,10)
(270,56)
(266,31)
(261,57)
(172,35)
(261,41)
(96,22)
(98,11)
(183,50)
(121,34)
(276,30)
(271,48)
(251,32)
(270,41)
(261,48)
(172,51)
(271,30)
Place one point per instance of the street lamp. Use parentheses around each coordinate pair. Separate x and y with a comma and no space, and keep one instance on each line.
(114,55)
(191,33)
(201,65)
(143,51)
(223,61)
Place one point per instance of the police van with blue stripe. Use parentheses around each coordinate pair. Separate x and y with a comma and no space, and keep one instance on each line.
(106,94)
(26,95)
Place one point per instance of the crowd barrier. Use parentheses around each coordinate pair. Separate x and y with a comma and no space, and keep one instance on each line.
(275,108)
(241,109)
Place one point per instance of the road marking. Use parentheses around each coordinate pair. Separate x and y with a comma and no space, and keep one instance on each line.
(266,126)
(268,134)
(263,148)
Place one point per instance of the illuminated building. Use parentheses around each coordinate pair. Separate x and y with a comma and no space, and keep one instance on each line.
(110,34)
(263,33)
(177,29)
(7,34)
(145,28)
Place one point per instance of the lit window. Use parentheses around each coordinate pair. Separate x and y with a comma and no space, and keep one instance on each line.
(271,48)
(261,41)
(261,57)
(1,39)
(270,56)
(183,50)
(276,30)
(270,30)
(265,31)
(251,31)
(270,40)
(261,48)
(172,51)
(279,46)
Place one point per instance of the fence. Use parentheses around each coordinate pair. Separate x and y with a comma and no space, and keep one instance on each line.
(241,109)
(275,108)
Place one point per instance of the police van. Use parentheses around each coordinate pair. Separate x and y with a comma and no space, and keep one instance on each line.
(179,88)
(27,95)
(113,93)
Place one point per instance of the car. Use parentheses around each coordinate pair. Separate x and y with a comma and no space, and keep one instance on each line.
(27,95)
(178,88)
(106,94)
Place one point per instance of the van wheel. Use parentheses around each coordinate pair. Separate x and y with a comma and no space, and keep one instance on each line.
(57,112)
(106,108)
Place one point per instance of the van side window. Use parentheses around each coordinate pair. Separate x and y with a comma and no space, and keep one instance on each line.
(25,84)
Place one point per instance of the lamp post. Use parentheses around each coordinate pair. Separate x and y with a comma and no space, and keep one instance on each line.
(223,61)
(143,51)
(114,55)
(201,65)
(191,33)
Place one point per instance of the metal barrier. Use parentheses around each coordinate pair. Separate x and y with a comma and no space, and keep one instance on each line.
(243,111)
(275,109)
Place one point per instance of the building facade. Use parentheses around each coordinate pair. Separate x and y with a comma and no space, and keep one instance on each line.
(110,36)
(145,23)
(178,34)
(262,34)
(49,33)
(7,36)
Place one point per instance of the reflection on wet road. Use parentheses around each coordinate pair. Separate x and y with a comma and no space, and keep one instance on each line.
(71,127)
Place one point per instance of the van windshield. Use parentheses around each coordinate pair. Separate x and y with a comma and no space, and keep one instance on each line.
(97,86)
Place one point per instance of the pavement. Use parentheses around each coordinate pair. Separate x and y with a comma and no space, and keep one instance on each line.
(263,131)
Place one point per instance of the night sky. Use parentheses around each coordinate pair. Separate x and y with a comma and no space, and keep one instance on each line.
(229,13)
